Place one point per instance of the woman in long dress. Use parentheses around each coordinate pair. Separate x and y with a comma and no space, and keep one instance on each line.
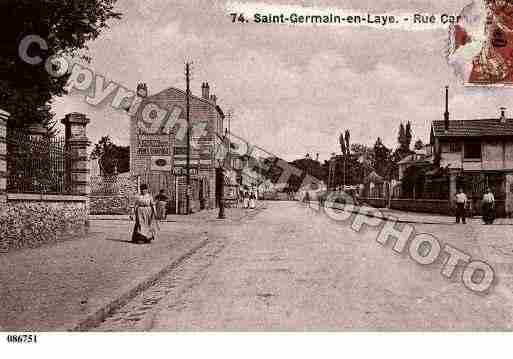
(252,198)
(488,204)
(145,228)
(245,200)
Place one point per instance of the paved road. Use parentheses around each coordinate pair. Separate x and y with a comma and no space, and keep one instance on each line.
(290,268)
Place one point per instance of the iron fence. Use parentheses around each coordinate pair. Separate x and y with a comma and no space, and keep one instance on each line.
(37,165)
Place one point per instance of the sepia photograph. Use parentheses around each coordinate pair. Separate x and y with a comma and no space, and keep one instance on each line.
(259,167)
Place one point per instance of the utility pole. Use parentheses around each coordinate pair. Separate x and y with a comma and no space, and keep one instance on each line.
(188,162)
(230,112)
(344,172)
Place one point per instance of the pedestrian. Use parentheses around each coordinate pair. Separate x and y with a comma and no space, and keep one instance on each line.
(245,200)
(252,199)
(461,202)
(322,198)
(146,225)
(488,206)
(306,199)
(161,205)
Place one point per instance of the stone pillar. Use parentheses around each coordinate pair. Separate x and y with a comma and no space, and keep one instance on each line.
(77,167)
(4,116)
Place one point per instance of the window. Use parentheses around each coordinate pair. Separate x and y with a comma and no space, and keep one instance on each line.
(455,147)
(472,149)
(451,147)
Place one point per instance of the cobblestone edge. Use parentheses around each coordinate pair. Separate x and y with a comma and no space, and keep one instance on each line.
(99,316)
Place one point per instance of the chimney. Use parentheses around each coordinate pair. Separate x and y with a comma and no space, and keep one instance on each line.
(317,157)
(446,113)
(205,90)
(213,98)
(503,115)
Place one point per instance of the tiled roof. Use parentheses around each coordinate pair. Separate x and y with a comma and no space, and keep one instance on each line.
(473,128)
(183,93)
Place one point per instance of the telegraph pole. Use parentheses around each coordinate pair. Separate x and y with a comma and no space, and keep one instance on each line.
(229,115)
(188,162)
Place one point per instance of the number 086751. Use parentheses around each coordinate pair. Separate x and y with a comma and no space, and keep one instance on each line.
(21,338)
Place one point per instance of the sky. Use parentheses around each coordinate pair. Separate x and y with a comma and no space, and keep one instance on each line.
(292,89)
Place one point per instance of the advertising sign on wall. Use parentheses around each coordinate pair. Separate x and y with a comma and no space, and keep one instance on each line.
(153,145)
(182,171)
(161,163)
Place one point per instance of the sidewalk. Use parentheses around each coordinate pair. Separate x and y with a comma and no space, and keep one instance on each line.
(72,285)
(422,218)
(210,215)
(428,218)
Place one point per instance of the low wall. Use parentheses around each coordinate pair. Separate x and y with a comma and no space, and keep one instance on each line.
(374,202)
(113,204)
(439,206)
(112,194)
(28,220)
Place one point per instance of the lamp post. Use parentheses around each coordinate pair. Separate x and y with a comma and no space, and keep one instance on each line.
(220,162)
(221,195)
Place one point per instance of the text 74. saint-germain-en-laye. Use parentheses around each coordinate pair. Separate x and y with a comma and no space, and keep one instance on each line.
(332,18)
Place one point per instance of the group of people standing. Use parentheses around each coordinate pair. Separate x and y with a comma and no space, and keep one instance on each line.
(487,206)
(248,199)
(147,212)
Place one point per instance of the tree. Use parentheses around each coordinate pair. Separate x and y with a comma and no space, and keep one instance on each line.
(26,90)
(347,136)
(363,153)
(382,158)
(418,144)
(404,138)
(307,166)
(401,138)
(408,135)
(342,142)
(111,157)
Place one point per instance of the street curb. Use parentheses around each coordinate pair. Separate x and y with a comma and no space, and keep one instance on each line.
(94,319)
(397,220)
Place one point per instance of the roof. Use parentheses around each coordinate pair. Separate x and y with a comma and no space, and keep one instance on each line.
(199,98)
(473,128)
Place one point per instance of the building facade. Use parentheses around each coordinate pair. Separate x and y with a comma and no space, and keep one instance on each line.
(477,154)
(158,146)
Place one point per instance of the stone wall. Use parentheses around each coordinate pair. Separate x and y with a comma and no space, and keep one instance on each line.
(114,204)
(32,220)
(112,194)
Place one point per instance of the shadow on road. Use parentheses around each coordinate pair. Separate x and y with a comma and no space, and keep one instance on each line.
(120,240)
